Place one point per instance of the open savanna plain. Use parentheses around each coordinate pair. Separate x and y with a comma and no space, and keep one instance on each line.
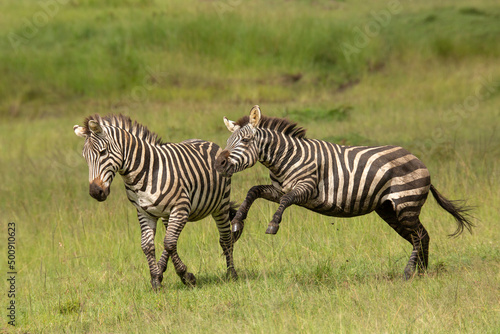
(421,74)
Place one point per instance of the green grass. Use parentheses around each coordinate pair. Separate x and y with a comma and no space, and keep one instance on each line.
(178,67)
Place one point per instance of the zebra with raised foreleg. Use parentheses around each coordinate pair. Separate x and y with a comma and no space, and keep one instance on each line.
(172,181)
(334,180)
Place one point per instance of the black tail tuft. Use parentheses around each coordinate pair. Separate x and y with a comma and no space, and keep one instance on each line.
(457,209)
(232,213)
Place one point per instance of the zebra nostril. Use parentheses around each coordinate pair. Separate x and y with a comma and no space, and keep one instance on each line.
(223,163)
(97,192)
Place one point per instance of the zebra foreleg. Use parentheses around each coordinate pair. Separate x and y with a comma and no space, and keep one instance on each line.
(263,191)
(296,196)
(226,242)
(148,231)
(176,222)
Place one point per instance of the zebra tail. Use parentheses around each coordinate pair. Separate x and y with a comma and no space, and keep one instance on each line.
(232,213)
(457,209)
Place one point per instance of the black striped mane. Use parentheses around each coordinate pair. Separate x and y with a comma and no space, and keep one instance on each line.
(125,123)
(282,125)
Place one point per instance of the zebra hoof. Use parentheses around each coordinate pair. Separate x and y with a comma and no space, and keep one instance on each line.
(155,284)
(409,273)
(272,228)
(236,227)
(189,280)
(231,274)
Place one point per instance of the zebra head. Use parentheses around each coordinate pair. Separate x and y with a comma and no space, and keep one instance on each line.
(241,151)
(102,157)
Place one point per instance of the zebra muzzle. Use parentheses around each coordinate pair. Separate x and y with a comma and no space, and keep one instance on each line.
(98,190)
(222,164)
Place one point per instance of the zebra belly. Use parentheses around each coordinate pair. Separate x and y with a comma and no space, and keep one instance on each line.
(145,204)
(332,210)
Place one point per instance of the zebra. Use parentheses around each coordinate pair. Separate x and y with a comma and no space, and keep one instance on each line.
(335,180)
(176,182)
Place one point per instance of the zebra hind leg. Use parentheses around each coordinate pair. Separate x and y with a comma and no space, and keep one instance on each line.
(412,230)
(176,223)
(162,262)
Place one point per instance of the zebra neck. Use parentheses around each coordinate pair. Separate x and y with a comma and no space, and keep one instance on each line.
(139,157)
(279,152)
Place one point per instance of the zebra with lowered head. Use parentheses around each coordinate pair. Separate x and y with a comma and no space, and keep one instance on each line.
(172,181)
(334,180)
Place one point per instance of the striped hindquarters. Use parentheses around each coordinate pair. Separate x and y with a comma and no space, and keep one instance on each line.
(357,179)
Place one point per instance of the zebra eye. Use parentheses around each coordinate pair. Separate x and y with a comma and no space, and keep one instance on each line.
(103,152)
(245,140)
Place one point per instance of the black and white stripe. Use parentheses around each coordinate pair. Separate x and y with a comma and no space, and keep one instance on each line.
(172,181)
(334,180)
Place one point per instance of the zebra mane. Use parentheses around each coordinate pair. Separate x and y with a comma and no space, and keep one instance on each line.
(125,123)
(282,125)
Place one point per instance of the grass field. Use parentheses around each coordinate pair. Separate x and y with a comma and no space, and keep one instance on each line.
(413,73)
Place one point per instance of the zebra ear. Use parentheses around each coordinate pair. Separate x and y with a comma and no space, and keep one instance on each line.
(79,131)
(95,128)
(255,116)
(230,125)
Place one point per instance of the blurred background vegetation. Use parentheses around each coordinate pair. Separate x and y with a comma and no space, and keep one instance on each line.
(85,52)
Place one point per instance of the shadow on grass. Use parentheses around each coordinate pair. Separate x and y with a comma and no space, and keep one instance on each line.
(345,275)
(321,274)
(318,276)
(243,275)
